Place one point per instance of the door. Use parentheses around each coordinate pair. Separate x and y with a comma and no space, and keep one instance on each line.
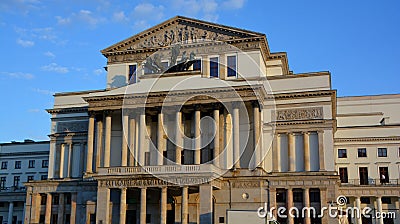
(384,175)
(363,173)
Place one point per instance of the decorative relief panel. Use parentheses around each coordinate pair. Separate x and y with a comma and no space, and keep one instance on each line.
(299,114)
(76,126)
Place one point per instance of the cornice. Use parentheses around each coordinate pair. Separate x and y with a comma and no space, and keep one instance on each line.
(308,94)
(368,139)
(25,153)
(67,110)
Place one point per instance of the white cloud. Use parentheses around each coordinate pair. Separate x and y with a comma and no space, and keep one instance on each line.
(233,4)
(43,91)
(83,16)
(53,67)
(49,54)
(120,17)
(34,110)
(98,71)
(18,75)
(145,12)
(63,21)
(25,43)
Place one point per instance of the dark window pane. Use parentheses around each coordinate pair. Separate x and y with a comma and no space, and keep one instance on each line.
(231,61)
(214,67)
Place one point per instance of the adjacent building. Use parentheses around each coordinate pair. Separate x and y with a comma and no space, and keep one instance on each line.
(20,162)
(200,119)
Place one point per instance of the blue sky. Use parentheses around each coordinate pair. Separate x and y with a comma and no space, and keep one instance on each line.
(53,46)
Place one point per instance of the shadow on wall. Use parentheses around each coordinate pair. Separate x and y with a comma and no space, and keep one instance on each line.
(118,81)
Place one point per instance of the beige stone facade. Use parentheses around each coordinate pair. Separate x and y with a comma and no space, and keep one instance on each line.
(229,132)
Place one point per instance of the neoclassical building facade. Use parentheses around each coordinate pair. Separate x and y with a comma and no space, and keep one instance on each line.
(198,120)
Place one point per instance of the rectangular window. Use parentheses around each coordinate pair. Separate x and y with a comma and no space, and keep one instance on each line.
(68,198)
(31,164)
(16,181)
(382,152)
(132,74)
(45,163)
(315,195)
(362,152)
(363,174)
(3,181)
(342,153)
(17,165)
(386,200)
(30,178)
(43,199)
(56,199)
(221,219)
(297,195)
(232,67)
(197,65)
(365,200)
(214,67)
(4,165)
(43,177)
(384,175)
(343,175)
(281,195)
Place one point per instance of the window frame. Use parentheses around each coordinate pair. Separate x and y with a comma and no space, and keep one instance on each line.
(381,150)
(4,165)
(31,163)
(45,163)
(340,175)
(17,164)
(17,179)
(134,74)
(227,66)
(338,154)
(358,153)
(218,66)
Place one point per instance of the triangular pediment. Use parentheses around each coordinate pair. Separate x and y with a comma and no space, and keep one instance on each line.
(177,30)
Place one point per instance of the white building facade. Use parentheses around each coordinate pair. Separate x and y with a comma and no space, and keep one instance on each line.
(20,162)
(197,120)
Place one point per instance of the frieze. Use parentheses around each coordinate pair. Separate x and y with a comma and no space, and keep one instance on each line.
(168,181)
(299,114)
(76,126)
(246,184)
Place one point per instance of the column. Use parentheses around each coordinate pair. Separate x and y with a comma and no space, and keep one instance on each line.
(125,134)
(185,206)
(206,203)
(292,152)
(256,134)
(358,205)
(276,153)
(66,159)
(99,142)
(70,159)
(321,150)
(74,198)
(178,138)
(379,203)
(52,159)
(307,166)
(163,206)
(236,141)
(273,203)
(10,212)
(89,156)
(142,137)
(103,200)
(122,208)
(197,136)
(307,217)
(62,161)
(290,204)
(143,205)
(160,139)
(60,218)
(216,137)
(48,208)
(107,145)
(222,153)
(132,140)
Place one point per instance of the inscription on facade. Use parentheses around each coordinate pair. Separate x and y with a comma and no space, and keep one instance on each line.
(299,114)
(76,126)
(118,183)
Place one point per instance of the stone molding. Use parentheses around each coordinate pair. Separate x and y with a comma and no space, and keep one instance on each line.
(311,113)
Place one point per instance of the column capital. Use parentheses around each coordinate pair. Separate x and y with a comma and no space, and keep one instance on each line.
(320,131)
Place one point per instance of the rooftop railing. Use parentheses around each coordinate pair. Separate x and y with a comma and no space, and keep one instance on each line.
(371,182)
